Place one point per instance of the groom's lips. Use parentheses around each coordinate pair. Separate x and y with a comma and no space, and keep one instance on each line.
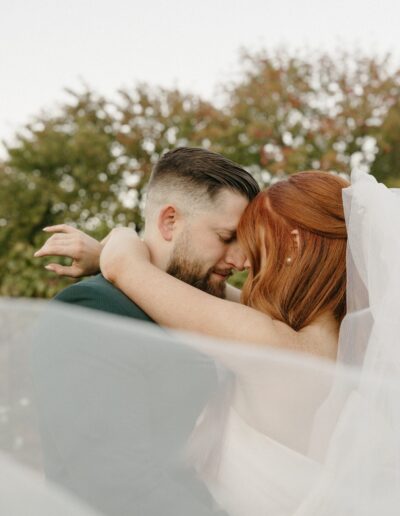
(222,274)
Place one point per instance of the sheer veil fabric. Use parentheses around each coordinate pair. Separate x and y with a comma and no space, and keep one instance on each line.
(104,415)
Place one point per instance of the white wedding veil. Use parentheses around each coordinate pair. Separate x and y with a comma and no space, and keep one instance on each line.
(105,415)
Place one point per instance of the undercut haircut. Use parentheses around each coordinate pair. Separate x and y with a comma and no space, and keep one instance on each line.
(199,175)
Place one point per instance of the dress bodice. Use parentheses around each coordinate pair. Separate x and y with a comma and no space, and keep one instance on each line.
(258,476)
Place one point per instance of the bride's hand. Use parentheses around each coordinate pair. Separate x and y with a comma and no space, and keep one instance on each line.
(121,248)
(75,244)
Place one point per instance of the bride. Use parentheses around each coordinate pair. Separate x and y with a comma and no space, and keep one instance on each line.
(286,448)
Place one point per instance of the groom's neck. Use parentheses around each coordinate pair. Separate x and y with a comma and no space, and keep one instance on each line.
(158,256)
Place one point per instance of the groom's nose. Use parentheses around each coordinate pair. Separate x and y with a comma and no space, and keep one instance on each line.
(235,257)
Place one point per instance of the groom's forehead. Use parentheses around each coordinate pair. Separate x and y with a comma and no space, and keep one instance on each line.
(224,212)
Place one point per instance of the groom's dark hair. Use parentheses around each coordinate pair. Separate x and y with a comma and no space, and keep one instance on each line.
(200,173)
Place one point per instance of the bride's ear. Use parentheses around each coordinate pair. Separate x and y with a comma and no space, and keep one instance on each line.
(167,219)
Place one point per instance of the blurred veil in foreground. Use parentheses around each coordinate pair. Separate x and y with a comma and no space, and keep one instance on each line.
(108,416)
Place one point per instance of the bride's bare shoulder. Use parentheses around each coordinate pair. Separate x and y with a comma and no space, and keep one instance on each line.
(320,338)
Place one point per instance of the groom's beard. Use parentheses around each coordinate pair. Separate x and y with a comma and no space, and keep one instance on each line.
(191,271)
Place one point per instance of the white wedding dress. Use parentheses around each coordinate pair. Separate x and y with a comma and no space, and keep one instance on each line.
(258,475)
(131,420)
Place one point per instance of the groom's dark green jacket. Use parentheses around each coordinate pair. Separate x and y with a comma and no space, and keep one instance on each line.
(100,294)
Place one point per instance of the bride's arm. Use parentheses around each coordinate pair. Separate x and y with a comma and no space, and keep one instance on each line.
(125,262)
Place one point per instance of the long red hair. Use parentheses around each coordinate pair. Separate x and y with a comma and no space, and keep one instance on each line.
(295,283)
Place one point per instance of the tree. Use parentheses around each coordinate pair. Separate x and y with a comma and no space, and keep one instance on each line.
(290,113)
(87,164)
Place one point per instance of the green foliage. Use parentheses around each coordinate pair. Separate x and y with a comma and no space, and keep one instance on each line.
(291,113)
(88,163)
(238,279)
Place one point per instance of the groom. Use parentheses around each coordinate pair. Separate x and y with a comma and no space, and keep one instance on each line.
(194,202)
(195,199)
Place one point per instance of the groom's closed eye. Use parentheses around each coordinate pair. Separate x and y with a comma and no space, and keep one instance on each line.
(227,239)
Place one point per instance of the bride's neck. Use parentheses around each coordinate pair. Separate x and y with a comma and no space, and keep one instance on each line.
(322,335)
(327,321)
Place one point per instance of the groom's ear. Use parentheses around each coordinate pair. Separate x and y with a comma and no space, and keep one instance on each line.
(167,221)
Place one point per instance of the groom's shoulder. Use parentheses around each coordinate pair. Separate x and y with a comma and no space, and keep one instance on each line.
(100,294)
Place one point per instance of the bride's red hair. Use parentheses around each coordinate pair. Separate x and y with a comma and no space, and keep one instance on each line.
(295,283)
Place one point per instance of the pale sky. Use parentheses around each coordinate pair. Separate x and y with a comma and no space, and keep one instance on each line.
(46,45)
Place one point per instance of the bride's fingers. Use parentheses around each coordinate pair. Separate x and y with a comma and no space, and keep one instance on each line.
(63,270)
(56,248)
(60,228)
